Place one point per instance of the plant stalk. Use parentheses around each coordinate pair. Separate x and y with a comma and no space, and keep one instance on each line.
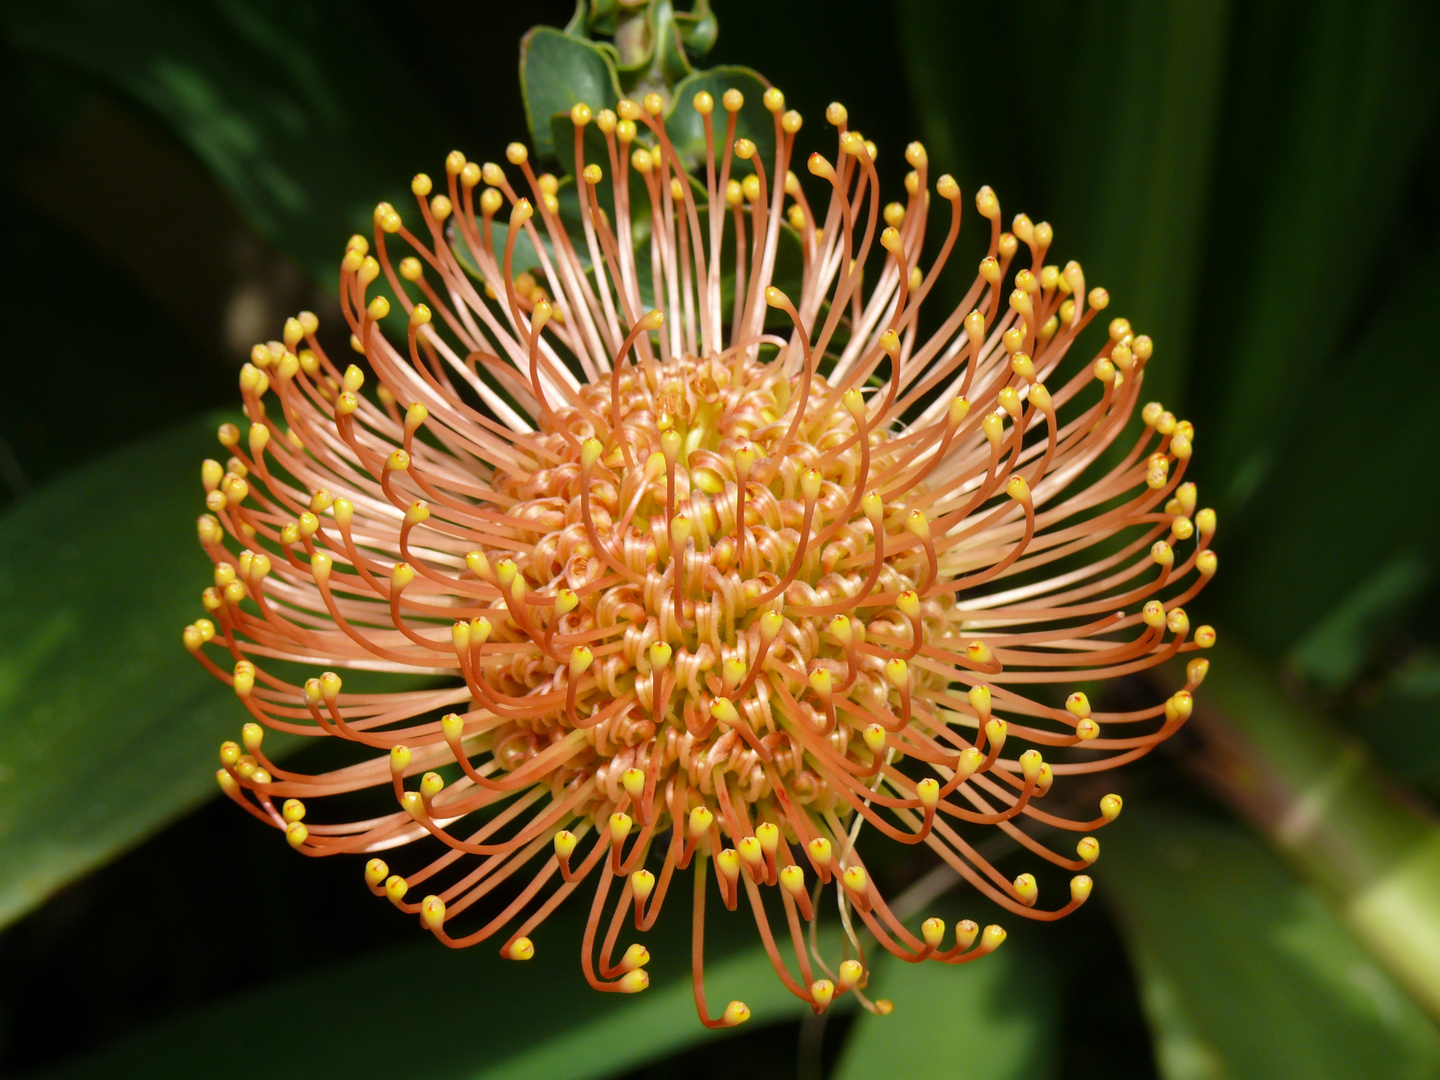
(1315,792)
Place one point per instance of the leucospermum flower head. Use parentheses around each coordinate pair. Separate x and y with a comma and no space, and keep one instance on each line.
(705,574)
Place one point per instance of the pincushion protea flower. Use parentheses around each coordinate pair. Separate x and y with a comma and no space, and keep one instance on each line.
(706,576)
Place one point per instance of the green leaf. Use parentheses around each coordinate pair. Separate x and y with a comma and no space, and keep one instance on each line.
(994,1016)
(467,1014)
(1126,146)
(558,71)
(698,27)
(110,726)
(179,381)
(1353,552)
(1331,113)
(1135,214)
(1397,719)
(578,19)
(1314,793)
(670,62)
(605,17)
(1244,971)
(1334,651)
(648,43)
(686,127)
(303,116)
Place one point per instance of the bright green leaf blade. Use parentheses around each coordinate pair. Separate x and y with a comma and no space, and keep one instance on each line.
(1244,971)
(993,1018)
(306,120)
(110,726)
(467,1014)
(558,71)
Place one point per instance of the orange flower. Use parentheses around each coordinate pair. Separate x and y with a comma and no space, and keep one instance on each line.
(703,575)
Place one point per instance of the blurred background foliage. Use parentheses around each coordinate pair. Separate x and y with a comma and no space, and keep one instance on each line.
(1255,184)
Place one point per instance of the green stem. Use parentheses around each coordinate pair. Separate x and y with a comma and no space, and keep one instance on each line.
(1313,790)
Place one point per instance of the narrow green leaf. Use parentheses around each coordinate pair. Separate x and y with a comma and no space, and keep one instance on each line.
(1139,208)
(467,1014)
(1330,114)
(1397,719)
(1356,554)
(1335,650)
(110,726)
(991,1019)
(1244,970)
(1125,146)
(558,71)
(1330,812)
(302,117)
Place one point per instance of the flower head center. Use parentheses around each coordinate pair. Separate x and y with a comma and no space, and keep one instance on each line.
(691,603)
